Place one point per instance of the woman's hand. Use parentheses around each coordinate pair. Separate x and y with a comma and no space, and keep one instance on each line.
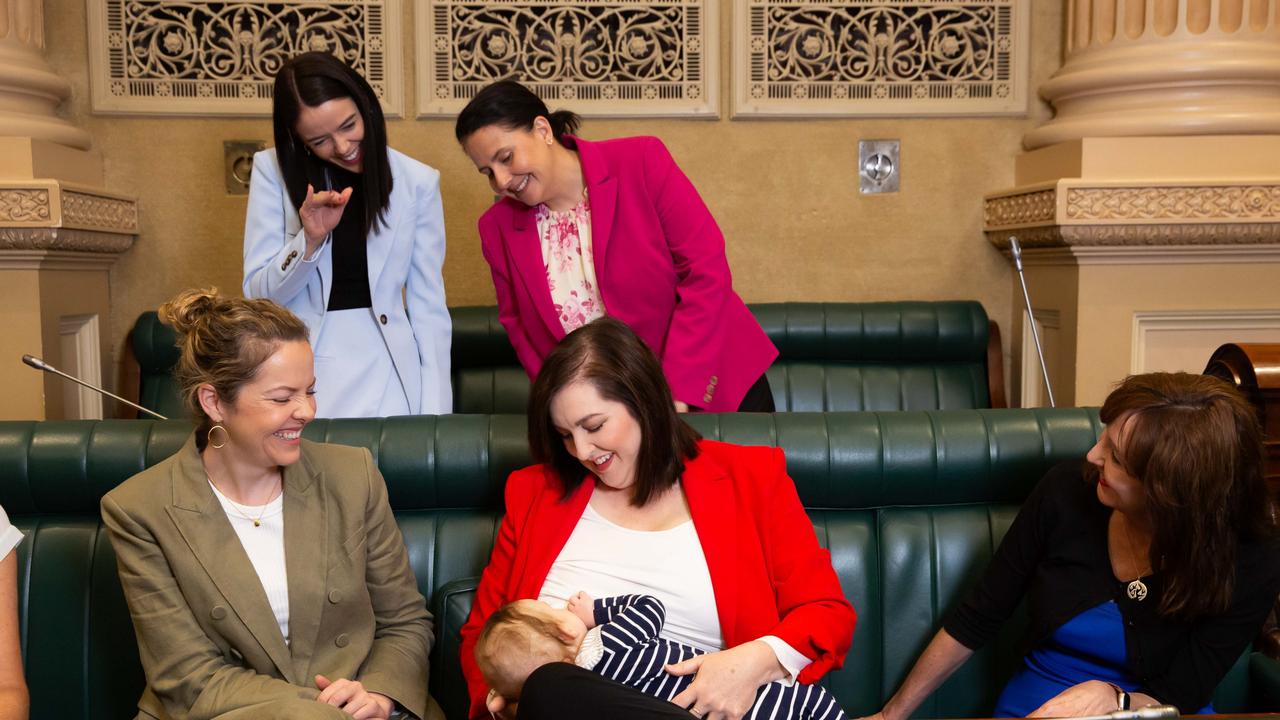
(726,682)
(498,707)
(681,406)
(320,213)
(350,697)
(1093,697)
(584,607)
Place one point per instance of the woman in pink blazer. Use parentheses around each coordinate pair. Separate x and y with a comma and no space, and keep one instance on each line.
(585,229)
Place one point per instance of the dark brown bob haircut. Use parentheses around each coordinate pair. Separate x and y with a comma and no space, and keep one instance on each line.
(1194,443)
(614,360)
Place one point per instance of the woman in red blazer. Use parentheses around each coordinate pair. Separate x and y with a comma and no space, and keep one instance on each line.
(584,229)
(628,498)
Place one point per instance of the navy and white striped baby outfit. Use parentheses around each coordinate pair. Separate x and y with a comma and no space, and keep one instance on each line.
(634,655)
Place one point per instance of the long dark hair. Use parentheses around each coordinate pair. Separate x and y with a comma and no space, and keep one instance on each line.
(607,354)
(510,105)
(1195,445)
(312,79)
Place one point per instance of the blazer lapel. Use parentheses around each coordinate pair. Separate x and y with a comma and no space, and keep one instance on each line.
(713,507)
(526,254)
(602,192)
(305,551)
(378,249)
(202,522)
(556,525)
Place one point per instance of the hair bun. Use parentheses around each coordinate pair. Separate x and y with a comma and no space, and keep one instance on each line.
(189,309)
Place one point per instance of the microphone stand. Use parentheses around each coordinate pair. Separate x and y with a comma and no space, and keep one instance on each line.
(39,364)
(1016,251)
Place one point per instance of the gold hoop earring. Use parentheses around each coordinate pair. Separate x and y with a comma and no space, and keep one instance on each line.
(209,437)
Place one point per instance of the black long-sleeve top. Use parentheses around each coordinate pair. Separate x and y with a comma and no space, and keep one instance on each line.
(350,246)
(1056,551)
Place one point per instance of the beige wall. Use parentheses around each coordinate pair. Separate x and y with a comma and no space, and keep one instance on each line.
(784,192)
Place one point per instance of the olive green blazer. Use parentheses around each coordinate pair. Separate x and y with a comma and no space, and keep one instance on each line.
(208,640)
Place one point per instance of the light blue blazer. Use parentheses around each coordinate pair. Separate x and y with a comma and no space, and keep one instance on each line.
(406,254)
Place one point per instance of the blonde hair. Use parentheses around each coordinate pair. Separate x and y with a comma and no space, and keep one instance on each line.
(223,341)
(512,644)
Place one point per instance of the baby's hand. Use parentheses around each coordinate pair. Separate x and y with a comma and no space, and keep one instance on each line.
(583,606)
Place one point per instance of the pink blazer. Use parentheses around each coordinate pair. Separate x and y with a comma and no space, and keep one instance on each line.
(661,267)
(769,575)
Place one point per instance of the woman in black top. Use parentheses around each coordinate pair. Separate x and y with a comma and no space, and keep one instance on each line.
(1147,573)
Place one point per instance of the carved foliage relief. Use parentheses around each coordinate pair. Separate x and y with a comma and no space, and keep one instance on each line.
(863,57)
(1181,203)
(596,57)
(197,57)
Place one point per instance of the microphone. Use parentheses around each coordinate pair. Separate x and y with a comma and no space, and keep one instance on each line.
(1150,712)
(1016,251)
(39,364)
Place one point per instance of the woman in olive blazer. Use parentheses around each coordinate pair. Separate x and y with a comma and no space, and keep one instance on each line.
(332,618)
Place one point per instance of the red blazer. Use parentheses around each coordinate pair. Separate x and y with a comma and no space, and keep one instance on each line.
(769,575)
(661,266)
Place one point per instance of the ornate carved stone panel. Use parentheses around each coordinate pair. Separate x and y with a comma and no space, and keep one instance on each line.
(1084,213)
(167,57)
(617,58)
(28,208)
(887,57)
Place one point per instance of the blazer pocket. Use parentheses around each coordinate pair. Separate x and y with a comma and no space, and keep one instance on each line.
(355,543)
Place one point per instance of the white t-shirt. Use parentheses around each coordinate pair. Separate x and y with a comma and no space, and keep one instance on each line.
(603,559)
(264,544)
(9,535)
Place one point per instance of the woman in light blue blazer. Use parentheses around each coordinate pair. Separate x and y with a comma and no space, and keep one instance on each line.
(349,235)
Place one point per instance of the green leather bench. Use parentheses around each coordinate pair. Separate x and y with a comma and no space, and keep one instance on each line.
(910,505)
(833,357)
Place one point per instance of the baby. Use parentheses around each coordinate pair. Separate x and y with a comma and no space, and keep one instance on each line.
(618,638)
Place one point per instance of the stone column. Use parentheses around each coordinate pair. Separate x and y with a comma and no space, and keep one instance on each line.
(60,232)
(30,92)
(1165,67)
(1149,206)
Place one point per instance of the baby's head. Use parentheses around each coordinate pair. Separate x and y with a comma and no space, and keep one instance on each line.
(522,637)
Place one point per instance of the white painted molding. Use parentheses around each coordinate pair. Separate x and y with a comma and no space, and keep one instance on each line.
(861,58)
(1048,322)
(1206,328)
(81,356)
(599,58)
(220,57)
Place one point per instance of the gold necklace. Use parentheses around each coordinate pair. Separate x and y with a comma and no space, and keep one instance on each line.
(257,522)
(1137,589)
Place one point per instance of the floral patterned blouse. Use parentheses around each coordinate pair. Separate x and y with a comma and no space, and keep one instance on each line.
(570,264)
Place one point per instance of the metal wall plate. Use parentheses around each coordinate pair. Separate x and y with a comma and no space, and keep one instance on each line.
(238,158)
(878,166)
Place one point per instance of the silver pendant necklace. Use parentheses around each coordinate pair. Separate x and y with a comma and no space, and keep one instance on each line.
(1137,589)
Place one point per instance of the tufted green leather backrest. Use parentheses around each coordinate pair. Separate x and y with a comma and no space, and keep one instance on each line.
(154,345)
(833,357)
(911,506)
